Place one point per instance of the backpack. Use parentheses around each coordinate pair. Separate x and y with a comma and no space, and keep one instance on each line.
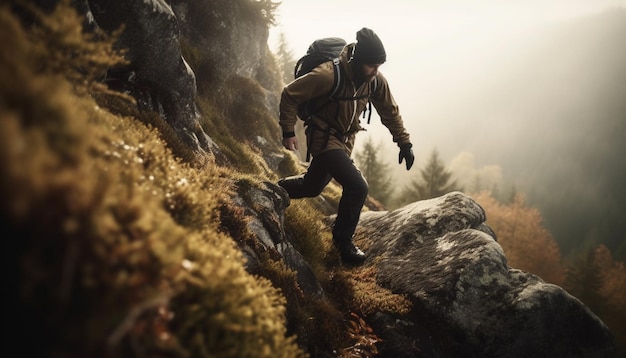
(320,51)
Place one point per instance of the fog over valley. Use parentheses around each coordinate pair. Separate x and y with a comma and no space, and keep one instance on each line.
(522,95)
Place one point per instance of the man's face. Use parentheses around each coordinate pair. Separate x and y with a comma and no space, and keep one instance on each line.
(369,71)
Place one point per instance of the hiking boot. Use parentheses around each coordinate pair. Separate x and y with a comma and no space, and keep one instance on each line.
(349,253)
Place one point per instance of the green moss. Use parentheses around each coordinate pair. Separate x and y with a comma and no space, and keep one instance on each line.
(332,193)
(68,51)
(234,308)
(238,153)
(289,165)
(124,243)
(304,228)
(236,117)
(113,239)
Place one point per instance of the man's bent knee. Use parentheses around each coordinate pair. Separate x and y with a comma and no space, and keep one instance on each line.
(357,189)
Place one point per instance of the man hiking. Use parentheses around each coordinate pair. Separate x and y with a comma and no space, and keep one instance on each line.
(331,130)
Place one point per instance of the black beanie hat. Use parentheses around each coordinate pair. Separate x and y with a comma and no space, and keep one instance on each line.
(369,49)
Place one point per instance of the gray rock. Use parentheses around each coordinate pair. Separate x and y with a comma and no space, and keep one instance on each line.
(158,76)
(264,209)
(441,253)
(466,300)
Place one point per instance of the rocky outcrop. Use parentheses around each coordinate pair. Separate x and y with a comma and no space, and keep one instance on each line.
(441,254)
(228,45)
(264,208)
(228,40)
(466,300)
(231,41)
(157,76)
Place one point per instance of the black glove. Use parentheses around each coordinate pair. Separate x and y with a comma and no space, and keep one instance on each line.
(406,153)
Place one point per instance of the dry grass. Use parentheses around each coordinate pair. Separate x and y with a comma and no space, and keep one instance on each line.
(124,243)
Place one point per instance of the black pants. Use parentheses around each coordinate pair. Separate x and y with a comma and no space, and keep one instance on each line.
(324,167)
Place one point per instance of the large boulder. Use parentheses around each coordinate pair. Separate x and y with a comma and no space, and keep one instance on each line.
(442,255)
(439,253)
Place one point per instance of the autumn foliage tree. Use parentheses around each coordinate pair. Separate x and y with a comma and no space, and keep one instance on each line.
(526,243)
(599,282)
(613,287)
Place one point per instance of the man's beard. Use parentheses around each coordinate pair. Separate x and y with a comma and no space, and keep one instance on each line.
(359,75)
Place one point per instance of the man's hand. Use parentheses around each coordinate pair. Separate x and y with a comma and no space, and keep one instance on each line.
(406,153)
(291,143)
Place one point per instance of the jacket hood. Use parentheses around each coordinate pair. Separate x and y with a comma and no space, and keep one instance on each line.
(346,58)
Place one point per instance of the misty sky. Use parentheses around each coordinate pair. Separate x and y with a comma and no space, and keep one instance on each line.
(425,41)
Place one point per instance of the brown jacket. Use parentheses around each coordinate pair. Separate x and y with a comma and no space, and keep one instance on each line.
(317,84)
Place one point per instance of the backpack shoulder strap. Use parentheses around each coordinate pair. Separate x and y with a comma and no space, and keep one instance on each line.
(338,78)
(373,86)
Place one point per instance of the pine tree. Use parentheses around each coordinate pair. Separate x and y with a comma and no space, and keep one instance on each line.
(434,181)
(375,171)
(285,59)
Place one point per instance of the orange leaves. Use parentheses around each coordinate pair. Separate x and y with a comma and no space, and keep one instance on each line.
(526,243)
(613,276)
(612,291)
(364,339)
